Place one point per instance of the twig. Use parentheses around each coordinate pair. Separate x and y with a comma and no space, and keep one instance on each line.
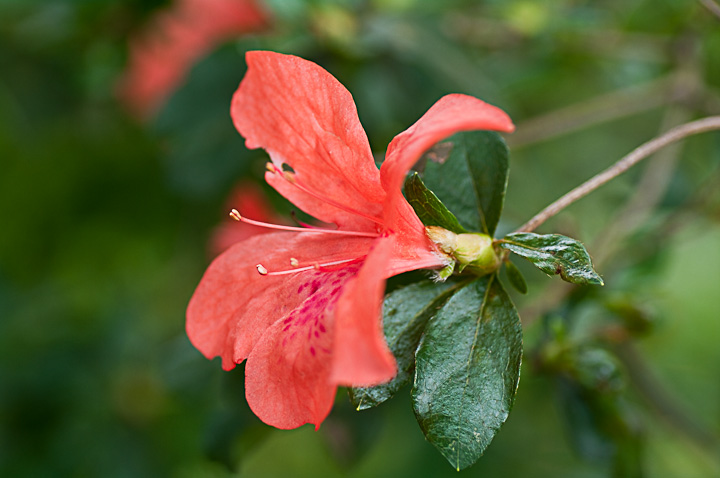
(695,127)
(712,6)
(557,292)
(649,192)
(655,180)
(650,188)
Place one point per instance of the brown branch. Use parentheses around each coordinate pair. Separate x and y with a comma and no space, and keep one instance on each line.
(649,192)
(556,292)
(712,6)
(695,127)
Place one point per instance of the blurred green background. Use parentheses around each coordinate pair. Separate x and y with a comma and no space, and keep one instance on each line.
(105,221)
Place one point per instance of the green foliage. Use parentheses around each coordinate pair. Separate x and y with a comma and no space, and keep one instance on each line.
(467,365)
(515,277)
(405,314)
(428,207)
(467,371)
(554,255)
(472,179)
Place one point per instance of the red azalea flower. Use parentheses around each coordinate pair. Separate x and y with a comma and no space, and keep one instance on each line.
(311,320)
(174,40)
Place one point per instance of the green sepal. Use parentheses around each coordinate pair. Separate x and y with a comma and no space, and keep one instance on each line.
(405,314)
(515,277)
(554,255)
(467,371)
(445,272)
(472,180)
(430,210)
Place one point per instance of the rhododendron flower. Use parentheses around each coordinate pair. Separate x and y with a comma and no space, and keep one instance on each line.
(249,198)
(303,306)
(174,40)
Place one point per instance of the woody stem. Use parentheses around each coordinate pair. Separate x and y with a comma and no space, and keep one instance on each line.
(710,123)
(712,6)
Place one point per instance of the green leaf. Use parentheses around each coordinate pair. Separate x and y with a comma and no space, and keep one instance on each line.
(517,280)
(428,207)
(405,313)
(472,180)
(467,371)
(554,254)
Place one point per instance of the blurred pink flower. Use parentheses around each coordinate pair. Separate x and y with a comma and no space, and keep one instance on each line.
(174,39)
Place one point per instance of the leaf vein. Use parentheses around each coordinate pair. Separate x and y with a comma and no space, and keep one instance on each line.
(470,358)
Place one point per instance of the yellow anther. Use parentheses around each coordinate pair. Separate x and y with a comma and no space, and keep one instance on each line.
(289,176)
(235,215)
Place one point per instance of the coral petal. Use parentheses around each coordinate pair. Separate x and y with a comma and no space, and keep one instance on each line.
(449,115)
(306,119)
(360,354)
(233,305)
(287,374)
(285,385)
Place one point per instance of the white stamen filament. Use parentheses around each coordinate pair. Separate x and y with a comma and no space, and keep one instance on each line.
(238,217)
(316,266)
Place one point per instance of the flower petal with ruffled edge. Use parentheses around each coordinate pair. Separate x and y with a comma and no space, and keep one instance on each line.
(361,356)
(449,115)
(233,305)
(304,118)
(287,376)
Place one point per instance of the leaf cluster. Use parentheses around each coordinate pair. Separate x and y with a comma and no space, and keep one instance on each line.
(459,342)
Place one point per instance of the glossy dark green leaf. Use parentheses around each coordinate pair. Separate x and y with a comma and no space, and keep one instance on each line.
(472,179)
(405,314)
(467,371)
(517,280)
(554,254)
(428,207)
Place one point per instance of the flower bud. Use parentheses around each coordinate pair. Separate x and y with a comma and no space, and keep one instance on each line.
(471,250)
(445,240)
